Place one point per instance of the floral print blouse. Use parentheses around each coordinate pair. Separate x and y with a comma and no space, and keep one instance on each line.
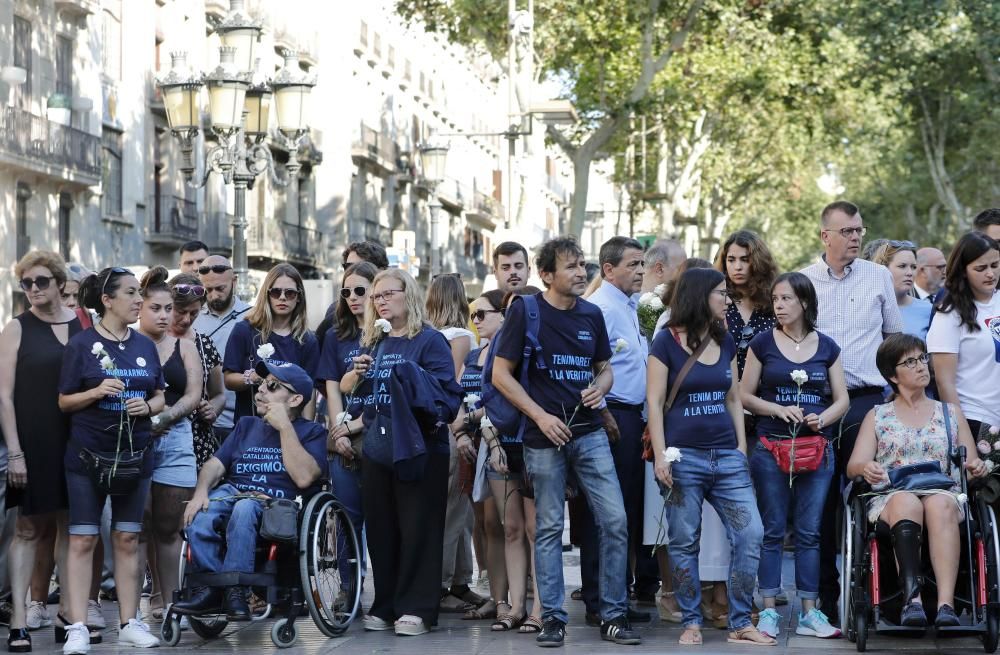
(744,331)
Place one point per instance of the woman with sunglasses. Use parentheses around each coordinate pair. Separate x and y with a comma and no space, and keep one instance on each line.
(32,348)
(188,295)
(900,257)
(111,384)
(277,321)
(963,339)
(175,472)
(341,344)
(768,390)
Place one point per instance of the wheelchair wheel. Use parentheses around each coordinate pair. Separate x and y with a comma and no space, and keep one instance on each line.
(330,565)
(861,632)
(284,634)
(208,627)
(992,636)
(170,631)
(847,566)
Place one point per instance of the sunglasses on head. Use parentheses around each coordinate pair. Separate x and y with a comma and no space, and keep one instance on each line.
(195,290)
(901,244)
(480,314)
(277,294)
(215,268)
(117,270)
(42,282)
(360,292)
(745,337)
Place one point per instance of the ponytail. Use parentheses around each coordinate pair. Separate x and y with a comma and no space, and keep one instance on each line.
(89,293)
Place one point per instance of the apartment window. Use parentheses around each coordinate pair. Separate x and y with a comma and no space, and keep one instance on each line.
(407,72)
(22,59)
(111,33)
(65,207)
(364,33)
(111,178)
(377,44)
(392,57)
(64,66)
(21,219)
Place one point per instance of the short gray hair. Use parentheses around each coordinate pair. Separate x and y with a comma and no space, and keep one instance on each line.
(664,250)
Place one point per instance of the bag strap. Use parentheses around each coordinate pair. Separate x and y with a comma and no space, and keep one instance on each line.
(947,430)
(685,369)
(232,316)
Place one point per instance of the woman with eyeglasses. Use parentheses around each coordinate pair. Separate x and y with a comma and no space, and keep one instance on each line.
(111,385)
(175,471)
(188,295)
(784,408)
(32,348)
(277,322)
(900,257)
(909,429)
(964,338)
(341,345)
(404,518)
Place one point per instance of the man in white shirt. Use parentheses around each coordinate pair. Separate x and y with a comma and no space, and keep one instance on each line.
(857,309)
(662,260)
(931,266)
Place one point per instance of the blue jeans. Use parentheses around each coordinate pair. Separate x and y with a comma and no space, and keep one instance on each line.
(721,477)
(589,457)
(774,496)
(347,489)
(241,533)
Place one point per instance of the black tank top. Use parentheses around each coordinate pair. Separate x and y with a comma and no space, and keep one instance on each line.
(175,376)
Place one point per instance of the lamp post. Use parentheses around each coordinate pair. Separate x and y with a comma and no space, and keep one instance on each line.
(432,162)
(239,111)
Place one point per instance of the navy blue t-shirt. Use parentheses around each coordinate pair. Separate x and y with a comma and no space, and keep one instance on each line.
(776,384)
(335,360)
(699,417)
(472,382)
(252,456)
(241,354)
(96,427)
(572,342)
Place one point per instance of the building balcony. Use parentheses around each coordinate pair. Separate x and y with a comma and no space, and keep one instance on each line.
(484,211)
(174,221)
(36,144)
(78,8)
(276,241)
(452,194)
(372,148)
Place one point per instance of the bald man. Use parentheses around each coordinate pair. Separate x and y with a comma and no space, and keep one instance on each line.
(930,272)
(661,262)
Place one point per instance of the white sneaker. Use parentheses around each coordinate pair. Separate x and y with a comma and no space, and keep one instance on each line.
(137,634)
(37,615)
(77,640)
(95,617)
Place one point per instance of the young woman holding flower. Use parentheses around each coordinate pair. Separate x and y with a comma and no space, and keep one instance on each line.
(275,329)
(111,384)
(794,383)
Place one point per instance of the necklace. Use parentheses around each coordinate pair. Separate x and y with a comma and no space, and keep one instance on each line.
(121,342)
(797,342)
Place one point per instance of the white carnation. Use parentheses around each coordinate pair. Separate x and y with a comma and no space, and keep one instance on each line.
(472,399)
(97,349)
(800,377)
(265,351)
(485,422)
(672,454)
(646,298)
(155,421)
(962,499)
(620,345)
(343,417)
(656,303)
(660,289)
(384,325)
(107,363)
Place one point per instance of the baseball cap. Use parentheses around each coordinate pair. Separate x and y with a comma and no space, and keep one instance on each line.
(290,374)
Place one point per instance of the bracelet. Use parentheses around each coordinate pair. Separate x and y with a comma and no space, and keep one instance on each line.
(149,410)
(18,455)
(821,423)
(246,377)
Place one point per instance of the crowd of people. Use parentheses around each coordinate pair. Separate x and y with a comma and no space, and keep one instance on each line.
(657,396)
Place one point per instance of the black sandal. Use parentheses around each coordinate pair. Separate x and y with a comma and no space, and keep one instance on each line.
(18,634)
(507,622)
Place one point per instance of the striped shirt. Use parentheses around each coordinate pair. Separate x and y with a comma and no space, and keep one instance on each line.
(855,311)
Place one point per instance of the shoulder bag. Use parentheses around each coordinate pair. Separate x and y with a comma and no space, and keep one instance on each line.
(647,440)
(925,476)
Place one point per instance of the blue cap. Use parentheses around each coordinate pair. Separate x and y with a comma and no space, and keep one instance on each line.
(290,374)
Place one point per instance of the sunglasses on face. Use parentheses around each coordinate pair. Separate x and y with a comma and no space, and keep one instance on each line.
(277,294)
(745,337)
(42,282)
(274,385)
(215,268)
(195,290)
(480,314)
(360,292)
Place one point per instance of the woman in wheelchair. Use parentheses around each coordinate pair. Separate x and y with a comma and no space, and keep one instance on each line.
(909,429)
(280,455)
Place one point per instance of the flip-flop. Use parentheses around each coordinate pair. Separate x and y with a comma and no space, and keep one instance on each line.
(455,605)
(487,610)
(530,626)
(751,636)
(506,622)
(696,640)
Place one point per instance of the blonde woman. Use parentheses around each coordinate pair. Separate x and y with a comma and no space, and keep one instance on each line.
(276,324)
(404,514)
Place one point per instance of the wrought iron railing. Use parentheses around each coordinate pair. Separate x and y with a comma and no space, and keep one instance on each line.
(175,217)
(40,139)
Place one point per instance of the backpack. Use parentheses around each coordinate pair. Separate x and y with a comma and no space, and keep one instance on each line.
(506,418)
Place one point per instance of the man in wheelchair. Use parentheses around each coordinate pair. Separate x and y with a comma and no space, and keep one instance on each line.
(277,454)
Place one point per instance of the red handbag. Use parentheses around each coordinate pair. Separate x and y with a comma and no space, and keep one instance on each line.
(807,452)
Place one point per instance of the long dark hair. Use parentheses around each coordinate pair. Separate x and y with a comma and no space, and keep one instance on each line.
(969,248)
(690,310)
(804,290)
(762,268)
(347,323)
(93,287)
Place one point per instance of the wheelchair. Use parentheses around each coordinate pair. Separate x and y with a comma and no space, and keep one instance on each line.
(321,573)
(872,598)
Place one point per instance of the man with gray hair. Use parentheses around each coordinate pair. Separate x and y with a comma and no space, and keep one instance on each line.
(931,266)
(661,262)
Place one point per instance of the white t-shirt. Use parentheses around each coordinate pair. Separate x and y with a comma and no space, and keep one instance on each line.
(978,376)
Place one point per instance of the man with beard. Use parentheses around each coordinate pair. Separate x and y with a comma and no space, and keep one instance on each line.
(510,265)
(217,320)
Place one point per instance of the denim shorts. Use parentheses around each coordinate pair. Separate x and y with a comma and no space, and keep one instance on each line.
(86,504)
(173,456)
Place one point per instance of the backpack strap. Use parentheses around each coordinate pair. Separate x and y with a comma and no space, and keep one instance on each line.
(532,323)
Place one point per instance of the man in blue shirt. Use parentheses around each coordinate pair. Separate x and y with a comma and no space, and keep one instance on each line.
(275,455)
(565,432)
(622,270)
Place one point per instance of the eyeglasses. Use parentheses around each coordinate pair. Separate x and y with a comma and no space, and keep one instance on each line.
(215,268)
(480,314)
(940,267)
(42,282)
(117,270)
(911,362)
(277,294)
(848,232)
(360,292)
(274,385)
(745,337)
(195,290)
(724,292)
(385,295)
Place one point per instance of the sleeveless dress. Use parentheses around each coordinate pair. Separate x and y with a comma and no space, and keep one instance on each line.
(899,445)
(42,428)
(205,441)
(174,375)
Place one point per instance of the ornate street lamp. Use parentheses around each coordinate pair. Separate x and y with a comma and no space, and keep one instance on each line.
(432,162)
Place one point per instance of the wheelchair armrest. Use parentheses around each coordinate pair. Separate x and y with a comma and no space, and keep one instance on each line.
(857,487)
